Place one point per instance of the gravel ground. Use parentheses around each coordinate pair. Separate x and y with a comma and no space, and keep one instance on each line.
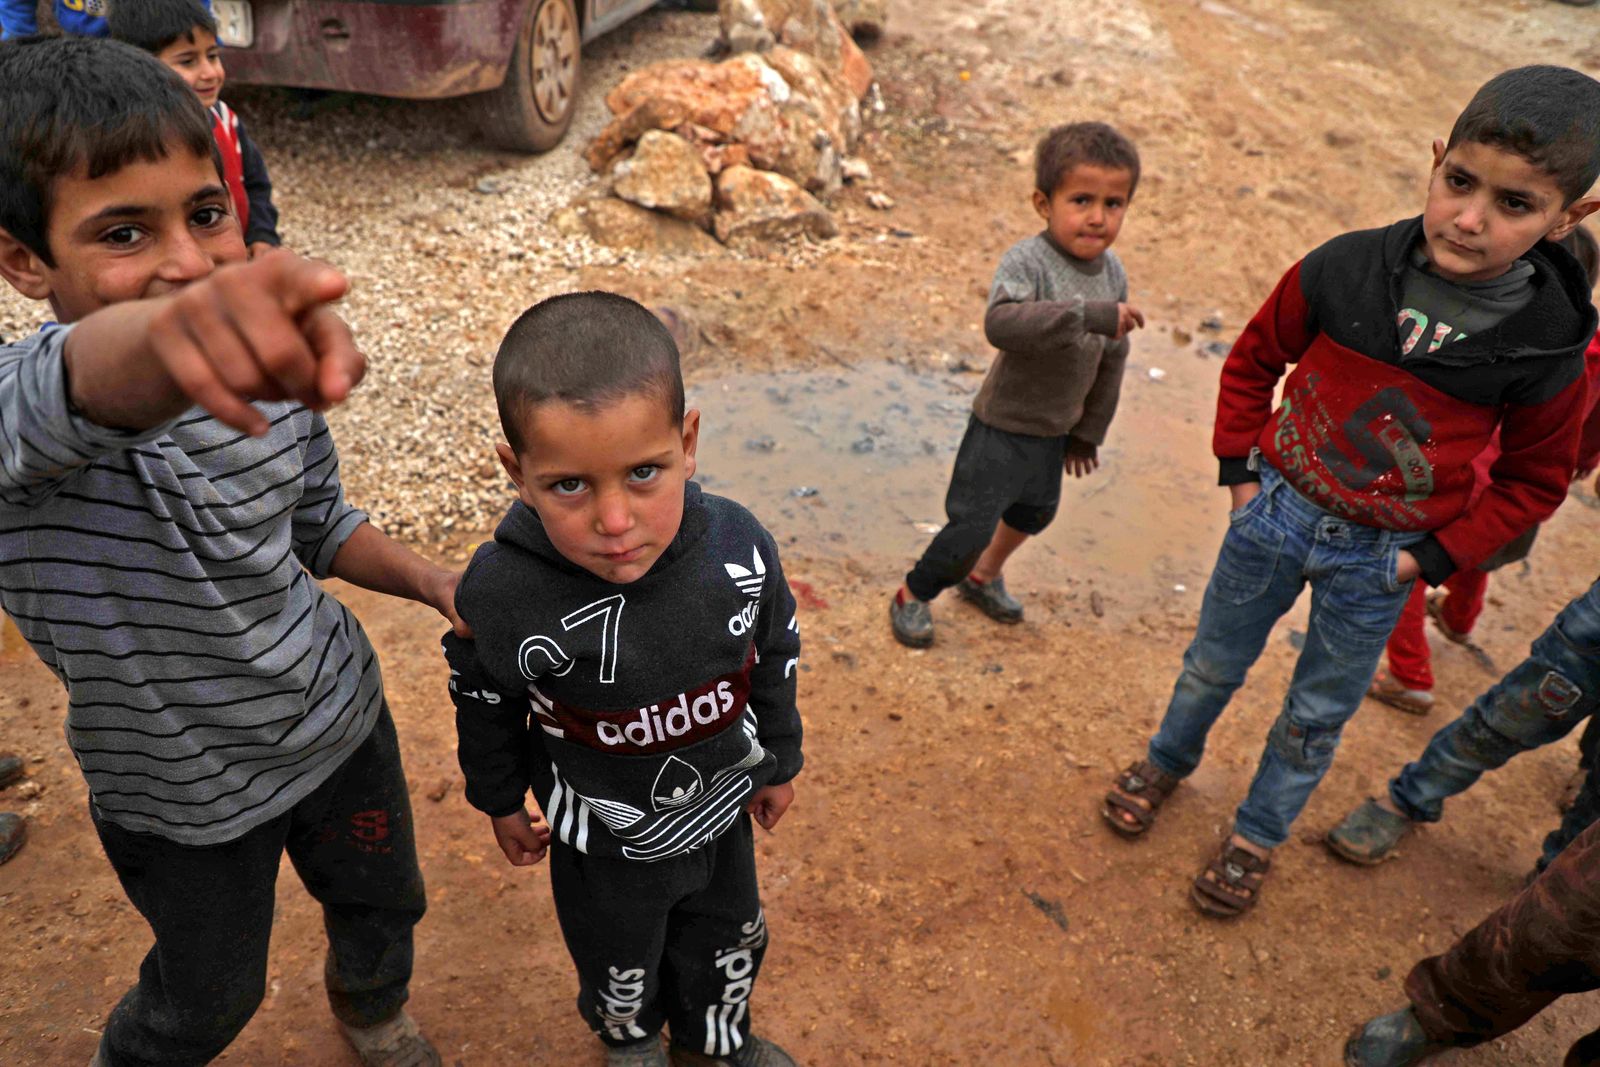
(445,241)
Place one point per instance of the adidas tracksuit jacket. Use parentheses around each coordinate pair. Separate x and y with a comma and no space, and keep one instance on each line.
(643,716)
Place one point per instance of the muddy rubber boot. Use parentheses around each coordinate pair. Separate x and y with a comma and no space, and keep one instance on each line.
(1393,1040)
(991,598)
(911,620)
(647,1053)
(13,832)
(10,769)
(395,1043)
(758,1052)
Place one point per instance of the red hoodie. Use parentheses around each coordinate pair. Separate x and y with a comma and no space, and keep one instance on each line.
(1391,443)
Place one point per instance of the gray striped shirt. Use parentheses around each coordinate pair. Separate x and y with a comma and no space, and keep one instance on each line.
(163,576)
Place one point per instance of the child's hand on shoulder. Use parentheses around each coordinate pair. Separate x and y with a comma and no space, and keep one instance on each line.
(261,330)
(768,803)
(1082,458)
(522,837)
(1129,318)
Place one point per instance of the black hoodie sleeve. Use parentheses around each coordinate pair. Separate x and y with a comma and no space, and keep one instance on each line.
(258,191)
(773,680)
(493,733)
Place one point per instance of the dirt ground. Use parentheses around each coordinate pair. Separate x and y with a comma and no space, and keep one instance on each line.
(943,892)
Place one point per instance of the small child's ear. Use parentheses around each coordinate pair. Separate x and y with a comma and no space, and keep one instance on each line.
(1041,204)
(691,440)
(1438,153)
(513,465)
(1571,215)
(22,268)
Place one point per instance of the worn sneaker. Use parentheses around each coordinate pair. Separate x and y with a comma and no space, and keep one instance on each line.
(647,1053)
(911,620)
(13,832)
(1393,1040)
(1386,689)
(991,598)
(1368,835)
(757,1052)
(395,1043)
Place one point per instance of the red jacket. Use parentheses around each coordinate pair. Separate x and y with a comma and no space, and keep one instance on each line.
(225,131)
(1391,443)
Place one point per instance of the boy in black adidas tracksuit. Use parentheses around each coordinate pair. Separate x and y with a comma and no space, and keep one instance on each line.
(633,659)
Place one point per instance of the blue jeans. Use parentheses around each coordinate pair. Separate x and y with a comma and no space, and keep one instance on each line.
(1540,701)
(1276,544)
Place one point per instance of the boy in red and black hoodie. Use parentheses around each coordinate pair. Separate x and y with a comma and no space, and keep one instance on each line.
(1411,345)
(183,35)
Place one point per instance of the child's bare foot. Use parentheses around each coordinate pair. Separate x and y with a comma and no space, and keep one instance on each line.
(1230,885)
(1136,793)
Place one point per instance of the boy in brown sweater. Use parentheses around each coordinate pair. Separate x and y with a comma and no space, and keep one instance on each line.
(1059,315)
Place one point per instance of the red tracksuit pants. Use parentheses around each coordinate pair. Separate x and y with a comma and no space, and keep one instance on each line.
(1410,661)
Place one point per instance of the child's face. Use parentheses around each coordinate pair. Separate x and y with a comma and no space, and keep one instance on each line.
(1085,212)
(607,483)
(1486,207)
(145,230)
(198,61)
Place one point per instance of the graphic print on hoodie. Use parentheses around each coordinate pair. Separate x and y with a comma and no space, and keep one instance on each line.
(643,715)
(1387,437)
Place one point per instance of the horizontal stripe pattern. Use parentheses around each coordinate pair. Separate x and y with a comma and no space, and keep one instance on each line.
(168,578)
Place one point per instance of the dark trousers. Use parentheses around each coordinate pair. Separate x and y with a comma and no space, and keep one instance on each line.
(677,942)
(352,843)
(998,477)
(1542,944)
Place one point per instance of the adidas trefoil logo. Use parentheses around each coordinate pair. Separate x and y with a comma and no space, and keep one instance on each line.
(749,581)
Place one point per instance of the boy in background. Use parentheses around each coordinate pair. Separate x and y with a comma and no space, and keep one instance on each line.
(183,35)
(1058,313)
(1407,683)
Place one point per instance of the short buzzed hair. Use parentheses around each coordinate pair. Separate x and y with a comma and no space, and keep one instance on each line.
(154,24)
(1065,147)
(1549,116)
(71,102)
(586,349)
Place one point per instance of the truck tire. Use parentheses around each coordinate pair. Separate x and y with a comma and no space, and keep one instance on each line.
(533,107)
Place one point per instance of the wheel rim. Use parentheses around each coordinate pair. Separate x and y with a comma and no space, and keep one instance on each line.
(555,60)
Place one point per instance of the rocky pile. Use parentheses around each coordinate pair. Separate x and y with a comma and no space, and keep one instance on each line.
(748,148)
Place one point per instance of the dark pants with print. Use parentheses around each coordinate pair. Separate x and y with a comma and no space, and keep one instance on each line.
(351,841)
(1541,945)
(676,942)
(999,477)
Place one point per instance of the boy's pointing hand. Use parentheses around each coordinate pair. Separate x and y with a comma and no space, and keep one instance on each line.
(262,330)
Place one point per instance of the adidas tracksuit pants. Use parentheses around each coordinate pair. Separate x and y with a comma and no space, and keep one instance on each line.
(677,942)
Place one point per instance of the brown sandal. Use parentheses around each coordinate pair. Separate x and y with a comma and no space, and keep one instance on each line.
(1142,781)
(1241,871)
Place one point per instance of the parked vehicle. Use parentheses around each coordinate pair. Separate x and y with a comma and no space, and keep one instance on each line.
(521,58)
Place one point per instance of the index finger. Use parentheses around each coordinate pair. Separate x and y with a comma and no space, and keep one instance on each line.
(296,283)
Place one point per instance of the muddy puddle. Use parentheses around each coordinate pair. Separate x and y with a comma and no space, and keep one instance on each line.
(854,463)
